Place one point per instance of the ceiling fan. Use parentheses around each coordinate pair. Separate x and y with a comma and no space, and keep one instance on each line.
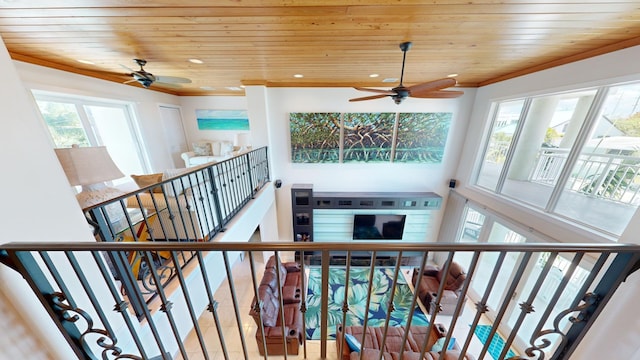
(431,89)
(146,78)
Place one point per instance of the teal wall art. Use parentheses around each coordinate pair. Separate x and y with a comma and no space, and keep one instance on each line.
(222,119)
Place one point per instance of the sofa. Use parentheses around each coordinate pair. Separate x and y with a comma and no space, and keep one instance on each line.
(267,307)
(427,285)
(211,151)
(373,344)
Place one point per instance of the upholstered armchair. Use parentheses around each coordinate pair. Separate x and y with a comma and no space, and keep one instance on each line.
(428,283)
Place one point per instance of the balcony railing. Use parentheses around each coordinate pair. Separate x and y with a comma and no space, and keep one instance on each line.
(603,176)
(194,205)
(78,289)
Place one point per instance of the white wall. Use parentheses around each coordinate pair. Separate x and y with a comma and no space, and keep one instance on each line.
(37,204)
(615,332)
(277,103)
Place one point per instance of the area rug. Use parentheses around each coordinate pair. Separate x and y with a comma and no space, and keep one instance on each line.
(497,343)
(357,300)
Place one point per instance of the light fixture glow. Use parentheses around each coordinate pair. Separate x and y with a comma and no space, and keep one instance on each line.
(390,80)
(233,88)
(374,75)
(298,76)
(86,62)
(207,88)
(452,75)
(196,61)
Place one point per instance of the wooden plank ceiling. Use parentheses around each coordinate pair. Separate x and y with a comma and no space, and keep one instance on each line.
(334,43)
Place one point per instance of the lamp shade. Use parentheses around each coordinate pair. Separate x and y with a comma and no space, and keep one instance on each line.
(242,140)
(88,165)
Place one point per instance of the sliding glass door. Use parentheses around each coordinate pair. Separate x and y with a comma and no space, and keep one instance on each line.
(91,123)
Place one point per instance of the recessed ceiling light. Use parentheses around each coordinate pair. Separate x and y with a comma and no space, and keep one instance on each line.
(196,61)
(388,80)
(452,75)
(207,88)
(86,62)
(374,75)
(233,88)
(298,76)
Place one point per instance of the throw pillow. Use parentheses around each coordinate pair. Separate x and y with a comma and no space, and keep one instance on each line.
(226,148)
(175,187)
(352,342)
(148,180)
(202,149)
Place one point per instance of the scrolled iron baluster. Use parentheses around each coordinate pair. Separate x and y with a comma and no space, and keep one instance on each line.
(105,340)
(588,300)
(147,280)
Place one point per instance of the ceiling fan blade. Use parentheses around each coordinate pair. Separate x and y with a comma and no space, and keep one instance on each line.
(168,84)
(173,80)
(431,86)
(127,68)
(372,97)
(386,92)
(439,94)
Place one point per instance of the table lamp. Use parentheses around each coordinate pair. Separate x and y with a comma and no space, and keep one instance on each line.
(242,141)
(90,167)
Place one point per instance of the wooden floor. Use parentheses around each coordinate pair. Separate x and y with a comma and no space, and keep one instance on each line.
(226,313)
(244,293)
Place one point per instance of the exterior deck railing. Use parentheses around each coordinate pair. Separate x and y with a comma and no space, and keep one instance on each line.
(83,297)
(603,176)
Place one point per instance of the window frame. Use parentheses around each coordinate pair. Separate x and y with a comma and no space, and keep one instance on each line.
(589,125)
(81,103)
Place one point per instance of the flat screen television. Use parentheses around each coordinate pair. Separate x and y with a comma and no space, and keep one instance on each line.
(378,227)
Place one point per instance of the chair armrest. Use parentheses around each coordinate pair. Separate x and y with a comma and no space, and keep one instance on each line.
(431,270)
(186,155)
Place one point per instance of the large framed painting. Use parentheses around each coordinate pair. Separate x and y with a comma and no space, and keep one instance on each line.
(368,137)
(422,137)
(315,137)
(222,119)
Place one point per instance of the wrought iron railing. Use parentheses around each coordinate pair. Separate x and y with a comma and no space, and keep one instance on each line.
(76,286)
(194,204)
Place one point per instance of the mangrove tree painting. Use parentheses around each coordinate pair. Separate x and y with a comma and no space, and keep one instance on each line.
(315,137)
(368,137)
(422,137)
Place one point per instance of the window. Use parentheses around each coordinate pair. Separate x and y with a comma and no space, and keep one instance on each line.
(90,123)
(573,154)
(554,291)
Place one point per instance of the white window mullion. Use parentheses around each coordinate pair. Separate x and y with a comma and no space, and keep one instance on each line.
(574,154)
(512,147)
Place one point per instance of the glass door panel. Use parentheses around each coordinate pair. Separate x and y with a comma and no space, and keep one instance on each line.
(64,123)
(487,265)
(89,123)
(113,130)
(545,295)
(504,127)
(548,134)
(603,188)
(471,230)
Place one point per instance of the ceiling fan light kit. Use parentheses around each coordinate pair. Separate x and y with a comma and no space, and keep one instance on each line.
(146,78)
(431,89)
